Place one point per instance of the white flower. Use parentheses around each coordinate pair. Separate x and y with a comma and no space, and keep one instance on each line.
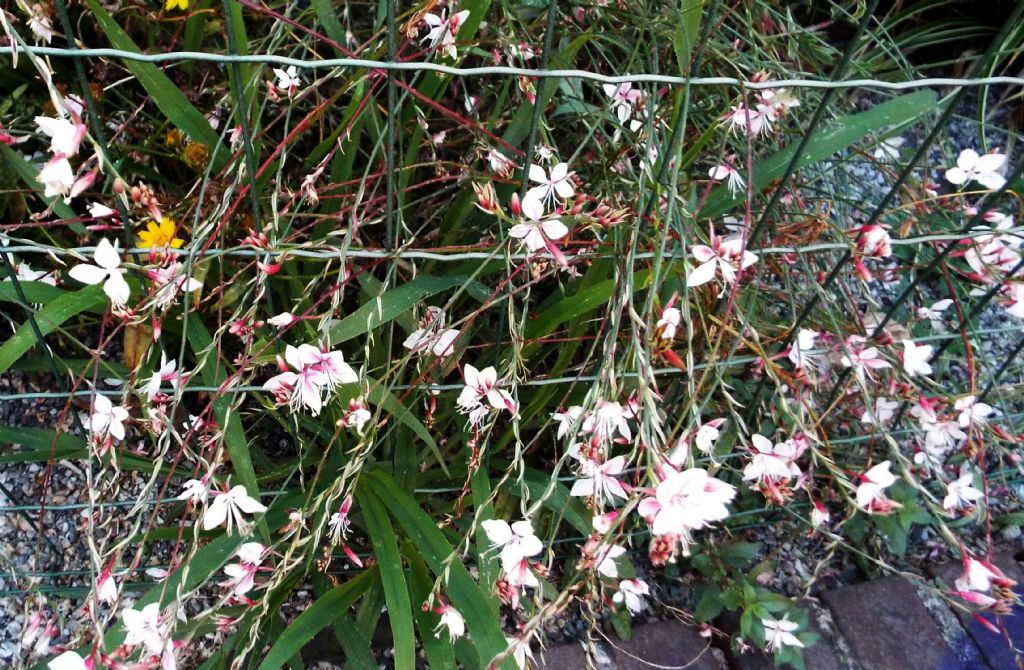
(623,96)
(915,358)
(106,587)
(607,566)
(800,354)
(982,169)
(106,419)
(228,508)
(870,492)
(568,420)
(690,500)
(171,279)
(631,593)
(143,627)
(482,385)
(431,335)
(537,233)
(934,313)
(287,79)
(973,412)
(195,490)
(774,462)
(442,32)
(69,660)
(779,634)
(961,493)
(726,256)
(57,177)
(42,28)
(517,541)
(316,371)
(251,553)
(863,361)
(282,320)
(609,418)
(726,171)
(599,479)
(451,620)
(107,271)
(980,575)
(521,651)
(557,182)
(98,211)
(883,411)
(666,326)
(242,577)
(707,435)
(167,372)
(65,136)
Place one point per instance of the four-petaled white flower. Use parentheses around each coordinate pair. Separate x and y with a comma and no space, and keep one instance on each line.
(431,335)
(65,136)
(482,385)
(106,419)
(889,149)
(623,96)
(973,412)
(934,313)
(568,421)
(631,593)
(801,354)
(69,660)
(107,271)
(771,462)
(687,500)
(517,541)
(778,633)
(608,419)
(537,232)
(195,490)
(167,372)
(871,491)
(915,358)
(443,31)
(863,361)
(171,280)
(144,627)
(961,492)
(287,79)
(557,182)
(228,508)
(982,169)
(599,479)
(725,255)
(883,411)
(726,171)
(452,621)
(57,177)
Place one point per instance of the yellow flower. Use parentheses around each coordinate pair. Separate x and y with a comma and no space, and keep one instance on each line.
(159,236)
(180,4)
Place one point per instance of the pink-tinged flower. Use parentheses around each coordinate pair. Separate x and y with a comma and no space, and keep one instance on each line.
(778,633)
(915,358)
(568,421)
(107,271)
(144,627)
(241,578)
(195,490)
(106,419)
(451,621)
(883,411)
(357,415)
(961,493)
(753,122)
(287,79)
(726,256)
(167,372)
(521,652)
(623,96)
(500,164)
(339,521)
(443,31)
(689,500)
(802,354)
(228,508)
(65,136)
(315,371)
(934,313)
(874,241)
(871,491)
(982,169)
(517,542)
(973,412)
(608,419)
(483,385)
(57,177)
(863,361)
(607,565)
(557,182)
(665,328)
(106,587)
(771,462)
(603,523)
(282,320)
(99,211)
(70,660)
(707,435)
(538,233)
(889,149)
(819,514)
(599,480)
(981,576)
(726,171)
(631,593)
(519,576)
(431,335)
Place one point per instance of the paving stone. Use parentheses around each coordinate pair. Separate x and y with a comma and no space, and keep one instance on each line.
(994,647)
(567,657)
(888,627)
(668,643)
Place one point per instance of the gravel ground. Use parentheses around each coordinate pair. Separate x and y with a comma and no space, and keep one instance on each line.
(61,549)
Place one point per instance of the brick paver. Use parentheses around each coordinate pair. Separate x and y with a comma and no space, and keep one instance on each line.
(888,627)
(663,643)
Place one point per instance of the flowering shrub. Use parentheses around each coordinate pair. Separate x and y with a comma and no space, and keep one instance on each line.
(532,349)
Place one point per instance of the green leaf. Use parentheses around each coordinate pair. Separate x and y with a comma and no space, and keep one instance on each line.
(558,500)
(390,306)
(739,554)
(316,617)
(49,318)
(469,598)
(166,96)
(39,439)
(710,604)
(396,594)
(687,32)
(622,624)
(440,652)
(845,132)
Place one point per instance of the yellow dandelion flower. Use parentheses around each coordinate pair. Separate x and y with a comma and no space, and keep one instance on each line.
(159,236)
(180,4)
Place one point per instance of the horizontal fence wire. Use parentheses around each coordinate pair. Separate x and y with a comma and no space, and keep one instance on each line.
(301,252)
(659,372)
(420,66)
